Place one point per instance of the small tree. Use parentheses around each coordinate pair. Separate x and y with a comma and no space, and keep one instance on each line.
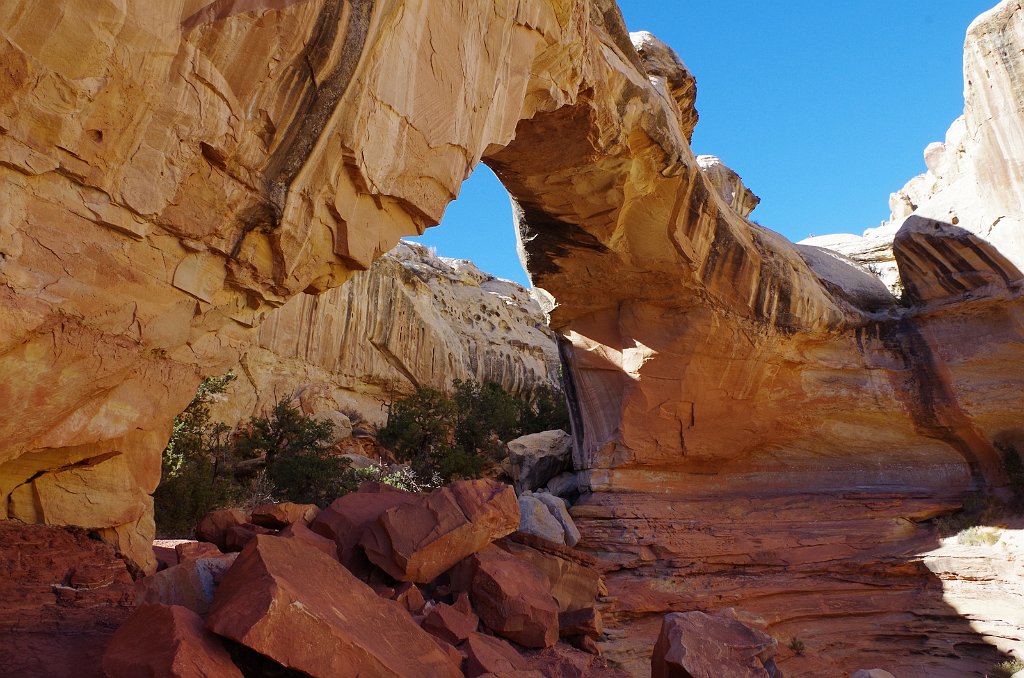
(459,436)
(196,464)
(298,458)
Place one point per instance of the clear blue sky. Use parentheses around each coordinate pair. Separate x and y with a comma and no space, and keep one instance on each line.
(824,109)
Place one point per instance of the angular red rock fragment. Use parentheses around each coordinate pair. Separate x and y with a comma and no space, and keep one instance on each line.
(213,527)
(487,654)
(279,515)
(449,624)
(166,641)
(194,550)
(348,517)
(293,603)
(419,540)
(698,644)
(512,598)
(299,530)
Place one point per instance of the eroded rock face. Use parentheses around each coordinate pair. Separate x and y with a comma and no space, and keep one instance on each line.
(209,162)
(63,595)
(412,320)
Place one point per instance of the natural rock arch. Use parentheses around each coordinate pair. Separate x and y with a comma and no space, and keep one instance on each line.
(272,147)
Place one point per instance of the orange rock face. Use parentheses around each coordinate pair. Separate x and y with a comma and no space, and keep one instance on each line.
(179,170)
(291,602)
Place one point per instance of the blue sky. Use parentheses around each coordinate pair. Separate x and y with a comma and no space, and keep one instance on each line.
(824,109)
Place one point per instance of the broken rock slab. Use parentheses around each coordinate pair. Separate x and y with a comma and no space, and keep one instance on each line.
(536,519)
(424,537)
(700,645)
(511,596)
(166,641)
(291,602)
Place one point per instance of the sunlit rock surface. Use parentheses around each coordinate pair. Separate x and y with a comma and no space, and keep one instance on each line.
(412,320)
(169,175)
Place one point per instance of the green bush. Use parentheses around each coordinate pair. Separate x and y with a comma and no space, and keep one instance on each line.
(196,465)
(462,434)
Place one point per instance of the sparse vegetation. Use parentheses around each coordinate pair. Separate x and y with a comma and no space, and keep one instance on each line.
(462,434)
(982,510)
(1007,668)
(978,536)
(797,646)
(201,464)
(441,436)
(195,465)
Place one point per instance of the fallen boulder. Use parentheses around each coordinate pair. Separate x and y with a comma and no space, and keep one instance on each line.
(187,551)
(166,641)
(237,536)
(538,457)
(877,673)
(300,531)
(558,509)
(572,579)
(487,654)
(700,645)
(536,519)
(421,538)
(348,517)
(450,624)
(190,584)
(291,602)
(279,515)
(511,596)
(214,526)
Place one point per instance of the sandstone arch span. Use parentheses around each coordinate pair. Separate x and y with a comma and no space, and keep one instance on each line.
(172,174)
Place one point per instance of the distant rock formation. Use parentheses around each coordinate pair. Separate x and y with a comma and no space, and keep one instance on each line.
(413,319)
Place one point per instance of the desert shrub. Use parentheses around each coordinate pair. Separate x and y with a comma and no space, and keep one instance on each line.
(404,478)
(1006,669)
(977,536)
(462,434)
(797,646)
(297,451)
(196,465)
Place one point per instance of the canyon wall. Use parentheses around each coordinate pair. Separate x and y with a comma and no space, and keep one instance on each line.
(412,320)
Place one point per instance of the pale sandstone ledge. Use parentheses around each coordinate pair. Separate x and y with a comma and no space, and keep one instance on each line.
(412,320)
(174,173)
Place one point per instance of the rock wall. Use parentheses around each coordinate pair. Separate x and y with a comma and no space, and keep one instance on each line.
(412,320)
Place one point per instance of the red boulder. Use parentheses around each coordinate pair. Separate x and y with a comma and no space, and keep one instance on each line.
(426,536)
(450,624)
(299,530)
(214,526)
(293,603)
(345,520)
(166,641)
(699,645)
(511,596)
(487,654)
(282,514)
